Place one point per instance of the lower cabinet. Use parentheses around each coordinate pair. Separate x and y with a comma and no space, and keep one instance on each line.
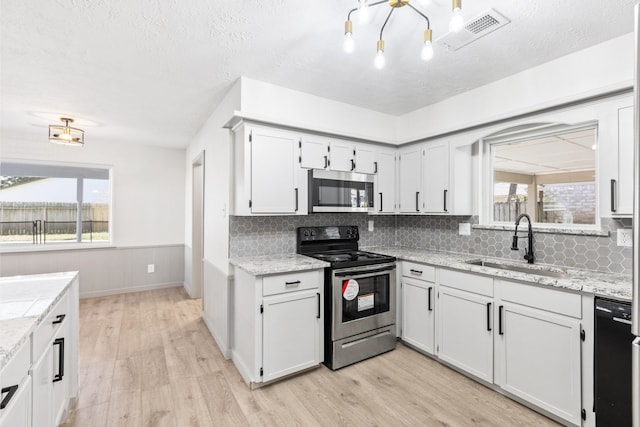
(42,373)
(418,306)
(17,413)
(278,324)
(15,384)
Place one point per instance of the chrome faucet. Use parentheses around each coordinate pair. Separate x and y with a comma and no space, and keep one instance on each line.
(528,253)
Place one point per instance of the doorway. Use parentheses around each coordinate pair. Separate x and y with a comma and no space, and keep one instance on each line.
(197,225)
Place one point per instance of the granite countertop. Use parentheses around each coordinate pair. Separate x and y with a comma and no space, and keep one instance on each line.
(274,264)
(617,286)
(24,302)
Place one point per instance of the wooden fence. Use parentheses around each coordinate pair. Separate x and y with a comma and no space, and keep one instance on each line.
(17,218)
(508,211)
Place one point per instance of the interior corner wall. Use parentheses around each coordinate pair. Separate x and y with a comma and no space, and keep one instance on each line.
(594,70)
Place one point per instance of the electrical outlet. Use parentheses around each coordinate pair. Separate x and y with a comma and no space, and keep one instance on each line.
(464,229)
(624,236)
(151,268)
(370,225)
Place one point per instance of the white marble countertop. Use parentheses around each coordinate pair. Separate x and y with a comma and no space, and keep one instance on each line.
(24,302)
(617,286)
(274,264)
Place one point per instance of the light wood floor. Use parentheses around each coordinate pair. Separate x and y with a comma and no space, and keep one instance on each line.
(147,359)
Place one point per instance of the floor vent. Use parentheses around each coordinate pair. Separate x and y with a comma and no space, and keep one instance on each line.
(473,29)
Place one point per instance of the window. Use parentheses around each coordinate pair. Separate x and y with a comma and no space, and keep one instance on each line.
(49,204)
(546,171)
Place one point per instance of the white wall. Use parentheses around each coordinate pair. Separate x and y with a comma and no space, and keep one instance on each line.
(147,182)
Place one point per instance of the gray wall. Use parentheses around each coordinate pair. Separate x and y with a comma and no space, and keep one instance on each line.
(251,236)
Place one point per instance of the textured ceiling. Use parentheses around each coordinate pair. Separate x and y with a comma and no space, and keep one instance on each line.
(152,71)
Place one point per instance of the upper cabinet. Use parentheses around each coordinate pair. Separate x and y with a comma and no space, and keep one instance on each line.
(343,156)
(366,159)
(435,175)
(621,191)
(410,179)
(314,152)
(385,182)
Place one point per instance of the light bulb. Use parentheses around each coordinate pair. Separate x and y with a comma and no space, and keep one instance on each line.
(427,51)
(457,20)
(349,44)
(379,61)
(363,12)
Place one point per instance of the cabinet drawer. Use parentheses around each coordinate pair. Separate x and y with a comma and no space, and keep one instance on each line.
(17,368)
(482,285)
(291,282)
(418,271)
(49,326)
(552,300)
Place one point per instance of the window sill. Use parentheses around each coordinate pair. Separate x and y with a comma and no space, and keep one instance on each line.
(10,249)
(544,230)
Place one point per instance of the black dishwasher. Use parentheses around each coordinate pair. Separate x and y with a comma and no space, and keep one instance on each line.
(612,363)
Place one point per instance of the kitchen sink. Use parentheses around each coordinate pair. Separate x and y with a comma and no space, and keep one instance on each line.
(540,271)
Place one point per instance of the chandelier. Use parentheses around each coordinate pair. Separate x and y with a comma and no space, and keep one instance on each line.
(66,135)
(456,24)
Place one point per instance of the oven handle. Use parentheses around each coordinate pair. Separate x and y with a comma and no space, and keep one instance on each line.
(364,273)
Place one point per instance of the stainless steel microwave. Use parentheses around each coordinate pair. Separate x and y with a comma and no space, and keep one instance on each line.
(332,191)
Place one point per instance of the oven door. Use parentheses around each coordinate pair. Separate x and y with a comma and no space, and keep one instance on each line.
(363,299)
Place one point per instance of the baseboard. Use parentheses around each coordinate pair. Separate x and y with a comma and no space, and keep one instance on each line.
(226,352)
(128,290)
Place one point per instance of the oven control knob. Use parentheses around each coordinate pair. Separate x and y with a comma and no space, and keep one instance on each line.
(313,233)
(306,233)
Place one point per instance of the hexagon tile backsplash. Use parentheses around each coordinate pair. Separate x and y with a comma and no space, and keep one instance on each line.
(251,236)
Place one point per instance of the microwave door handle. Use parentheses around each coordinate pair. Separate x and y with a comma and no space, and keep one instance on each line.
(363,273)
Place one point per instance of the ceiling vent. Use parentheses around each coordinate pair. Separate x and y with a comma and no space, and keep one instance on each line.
(473,29)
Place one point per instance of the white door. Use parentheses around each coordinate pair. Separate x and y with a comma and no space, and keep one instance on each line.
(314,153)
(385,197)
(42,383)
(273,179)
(538,359)
(465,331)
(17,413)
(291,333)
(366,161)
(436,178)
(418,314)
(622,189)
(410,179)
(342,157)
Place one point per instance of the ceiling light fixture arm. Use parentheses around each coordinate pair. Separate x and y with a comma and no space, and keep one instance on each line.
(421,14)
(385,22)
(370,5)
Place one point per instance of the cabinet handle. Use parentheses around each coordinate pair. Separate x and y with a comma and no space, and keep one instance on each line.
(11,391)
(613,195)
(296,283)
(445,200)
(318,315)
(416,271)
(500,309)
(380,210)
(296,200)
(489,316)
(59,342)
(353,165)
(375,167)
(326,161)
(429,298)
(59,319)
(417,205)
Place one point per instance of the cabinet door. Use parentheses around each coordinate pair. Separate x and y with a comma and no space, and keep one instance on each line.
(314,153)
(538,359)
(61,371)
(42,383)
(342,157)
(418,315)
(273,179)
(410,180)
(622,189)
(291,333)
(18,411)
(366,161)
(465,331)
(436,178)
(386,183)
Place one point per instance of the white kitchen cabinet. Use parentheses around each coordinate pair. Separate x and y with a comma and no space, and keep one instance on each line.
(314,152)
(366,159)
(17,413)
(15,383)
(435,175)
(42,373)
(410,179)
(418,307)
(538,347)
(342,155)
(621,190)
(385,182)
(268,176)
(290,346)
(277,324)
(465,322)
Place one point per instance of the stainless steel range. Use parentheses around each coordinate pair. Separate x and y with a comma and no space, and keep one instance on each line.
(360,295)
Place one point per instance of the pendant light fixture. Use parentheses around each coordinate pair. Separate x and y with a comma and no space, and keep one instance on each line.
(65,134)
(457,22)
